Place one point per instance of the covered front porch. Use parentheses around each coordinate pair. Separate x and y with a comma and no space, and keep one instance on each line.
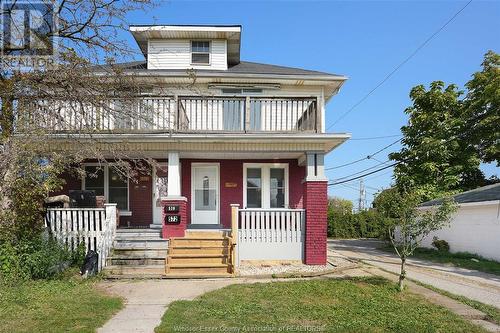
(264,198)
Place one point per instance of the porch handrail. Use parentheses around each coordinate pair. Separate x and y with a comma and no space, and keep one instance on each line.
(93,227)
(243,114)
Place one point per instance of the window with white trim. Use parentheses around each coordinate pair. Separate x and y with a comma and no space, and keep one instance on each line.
(107,182)
(200,52)
(265,185)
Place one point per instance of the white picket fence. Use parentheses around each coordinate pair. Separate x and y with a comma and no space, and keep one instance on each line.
(271,234)
(94,227)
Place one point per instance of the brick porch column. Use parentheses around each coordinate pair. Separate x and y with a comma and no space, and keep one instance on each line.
(316,205)
(174,199)
(174,229)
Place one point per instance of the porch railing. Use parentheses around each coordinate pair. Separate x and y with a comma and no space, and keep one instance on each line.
(93,227)
(180,114)
(269,234)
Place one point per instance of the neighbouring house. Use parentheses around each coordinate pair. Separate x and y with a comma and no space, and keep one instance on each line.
(240,156)
(475,227)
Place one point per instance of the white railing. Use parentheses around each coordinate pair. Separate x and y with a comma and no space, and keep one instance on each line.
(270,234)
(94,227)
(177,114)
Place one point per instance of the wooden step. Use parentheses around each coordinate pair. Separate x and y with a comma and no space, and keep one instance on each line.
(197,269)
(204,258)
(198,242)
(206,234)
(198,250)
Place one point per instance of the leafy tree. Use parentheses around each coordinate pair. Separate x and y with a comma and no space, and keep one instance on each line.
(482,108)
(409,224)
(437,157)
(30,163)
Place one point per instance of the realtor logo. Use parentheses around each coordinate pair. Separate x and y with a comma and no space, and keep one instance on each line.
(28,30)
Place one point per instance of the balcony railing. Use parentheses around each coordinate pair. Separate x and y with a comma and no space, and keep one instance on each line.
(182,114)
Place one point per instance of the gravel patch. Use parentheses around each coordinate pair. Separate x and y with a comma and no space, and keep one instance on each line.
(278,269)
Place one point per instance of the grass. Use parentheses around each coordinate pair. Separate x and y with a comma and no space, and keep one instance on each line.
(330,305)
(492,312)
(65,305)
(459,259)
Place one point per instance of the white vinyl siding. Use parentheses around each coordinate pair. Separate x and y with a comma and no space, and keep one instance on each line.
(176,54)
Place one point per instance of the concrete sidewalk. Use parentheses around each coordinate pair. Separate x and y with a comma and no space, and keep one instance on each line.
(147,300)
(479,286)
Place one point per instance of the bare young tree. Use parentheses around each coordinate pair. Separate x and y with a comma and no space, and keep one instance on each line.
(70,97)
(411,224)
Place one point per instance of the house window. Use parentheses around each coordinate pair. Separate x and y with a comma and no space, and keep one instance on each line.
(94,179)
(200,52)
(107,182)
(277,188)
(266,185)
(254,188)
(118,189)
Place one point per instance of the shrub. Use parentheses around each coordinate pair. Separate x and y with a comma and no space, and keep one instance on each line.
(38,257)
(440,244)
(342,223)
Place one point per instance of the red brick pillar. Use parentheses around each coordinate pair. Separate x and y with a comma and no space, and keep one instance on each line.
(174,229)
(316,205)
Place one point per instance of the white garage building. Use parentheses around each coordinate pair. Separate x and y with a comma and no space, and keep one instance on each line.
(475,227)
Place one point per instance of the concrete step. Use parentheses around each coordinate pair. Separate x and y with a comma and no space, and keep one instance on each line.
(131,261)
(140,244)
(133,230)
(138,237)
(134,270)
(141,253)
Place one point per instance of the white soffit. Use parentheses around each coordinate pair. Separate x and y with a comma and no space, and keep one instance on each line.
(231,33)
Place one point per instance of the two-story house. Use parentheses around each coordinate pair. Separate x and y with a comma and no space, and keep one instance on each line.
(240,147)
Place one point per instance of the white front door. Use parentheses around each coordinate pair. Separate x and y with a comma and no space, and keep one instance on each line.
(205,193)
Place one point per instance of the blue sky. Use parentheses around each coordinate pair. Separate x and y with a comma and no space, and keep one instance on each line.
(363,40)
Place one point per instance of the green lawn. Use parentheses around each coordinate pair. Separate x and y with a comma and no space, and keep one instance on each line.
(66,305)
(460,259)
(492,312)
(333,305)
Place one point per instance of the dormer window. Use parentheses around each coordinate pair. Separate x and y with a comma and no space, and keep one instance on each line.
(200,52)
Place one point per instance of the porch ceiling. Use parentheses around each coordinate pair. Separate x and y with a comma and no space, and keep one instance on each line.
(224,144)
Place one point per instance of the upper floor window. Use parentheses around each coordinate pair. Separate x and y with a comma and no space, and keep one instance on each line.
(200,52)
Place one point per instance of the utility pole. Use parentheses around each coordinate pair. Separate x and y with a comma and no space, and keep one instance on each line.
(362,195)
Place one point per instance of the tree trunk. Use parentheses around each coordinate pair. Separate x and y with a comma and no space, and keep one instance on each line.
(402,274)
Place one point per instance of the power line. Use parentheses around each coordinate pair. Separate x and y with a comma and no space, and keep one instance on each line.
(388,76)
(376,137)
(361,176)
(364,158)
(364,170)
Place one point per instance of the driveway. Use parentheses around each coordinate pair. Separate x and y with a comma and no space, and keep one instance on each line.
(472,284)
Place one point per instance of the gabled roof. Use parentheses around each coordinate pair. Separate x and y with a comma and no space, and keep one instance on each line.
(481,194)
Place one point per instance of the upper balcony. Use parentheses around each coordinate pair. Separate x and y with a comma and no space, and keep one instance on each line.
(188,114)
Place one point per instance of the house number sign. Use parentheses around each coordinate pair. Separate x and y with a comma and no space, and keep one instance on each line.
(171,209)
(173,219)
